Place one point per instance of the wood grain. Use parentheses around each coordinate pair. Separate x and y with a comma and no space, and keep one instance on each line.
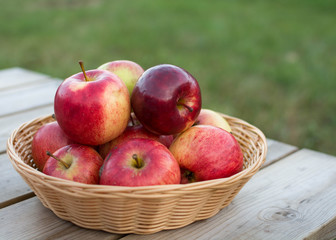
(13,187)
(294,198)
(29,219)
(277,150)
(28,97)
(17,77)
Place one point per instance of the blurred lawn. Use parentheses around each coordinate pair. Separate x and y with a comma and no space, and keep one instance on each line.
(270,63)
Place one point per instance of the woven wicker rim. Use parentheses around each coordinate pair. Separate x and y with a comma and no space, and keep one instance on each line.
(144,191)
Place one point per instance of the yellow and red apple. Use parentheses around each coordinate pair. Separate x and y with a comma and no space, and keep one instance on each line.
(206,152)
(128,71)
(210,117)
(92,107)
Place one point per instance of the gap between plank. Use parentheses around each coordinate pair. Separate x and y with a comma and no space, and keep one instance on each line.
(17,199)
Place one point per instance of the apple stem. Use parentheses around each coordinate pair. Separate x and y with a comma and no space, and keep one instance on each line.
(58,159)
(132,120)
(137,161)
(81,64)
(187,107)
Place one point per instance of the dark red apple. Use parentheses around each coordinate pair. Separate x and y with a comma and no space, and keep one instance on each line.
(140,162)
(166,99)
(166,140)
(49,137)
(206,152)
(75,162)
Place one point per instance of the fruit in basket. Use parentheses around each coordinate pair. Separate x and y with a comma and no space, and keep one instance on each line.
(140,162)
(166,140)
(92,107)
(206,152)
(166,99)
(137,131)
(74,162)
(49,137)
(128,71)
(210,117)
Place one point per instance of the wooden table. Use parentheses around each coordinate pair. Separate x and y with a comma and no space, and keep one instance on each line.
(292,197)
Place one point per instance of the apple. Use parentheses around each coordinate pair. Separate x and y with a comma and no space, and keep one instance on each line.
(166,140)
(92,107)
(166,99)
(137,131)
(210,117)
(49,137)
(74,162)
(128,71)
(206,152)
(140,162)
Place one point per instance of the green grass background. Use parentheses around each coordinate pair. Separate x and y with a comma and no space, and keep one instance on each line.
(271,63)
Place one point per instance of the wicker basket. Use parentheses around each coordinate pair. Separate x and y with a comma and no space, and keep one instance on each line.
(139,210)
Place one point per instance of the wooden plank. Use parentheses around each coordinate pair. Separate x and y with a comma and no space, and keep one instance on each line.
(13,187)
(29,97)
(294,198)
(10,122)
(277,150)
(17,77)
(29,219)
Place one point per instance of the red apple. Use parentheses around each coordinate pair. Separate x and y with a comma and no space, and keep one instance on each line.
(166,99)
(75,162)
(92,107)
(206,152)
(49,137)
(210,117)
(128,71)
(137,131)
(166,140)
(140,162)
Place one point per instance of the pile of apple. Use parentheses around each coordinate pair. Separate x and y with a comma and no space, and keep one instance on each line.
(121,125)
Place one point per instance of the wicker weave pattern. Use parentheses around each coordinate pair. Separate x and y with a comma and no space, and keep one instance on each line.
(140,210)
